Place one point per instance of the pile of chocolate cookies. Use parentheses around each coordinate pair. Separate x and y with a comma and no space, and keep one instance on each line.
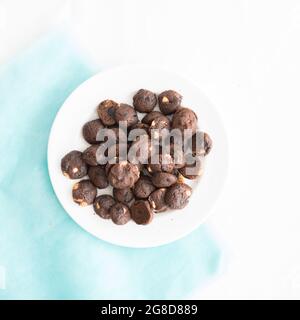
(140,188)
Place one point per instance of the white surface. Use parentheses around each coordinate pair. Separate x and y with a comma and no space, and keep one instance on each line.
(244,55)
(66,136)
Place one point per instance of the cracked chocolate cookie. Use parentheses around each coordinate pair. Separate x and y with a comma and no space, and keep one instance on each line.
(148,118)
(120,213)
(144,101)
(157,200)
(143,187)
(98,177)
(201,144)
(192,170)
(102,205)
(84,193)
(123,175)
(90,155)
(73,165)
(125,112)
(165,164)
(106,112)
(177,196)
(91,129)
(141,212)
(169,101)
(163,179)
(185,119)
(125,195)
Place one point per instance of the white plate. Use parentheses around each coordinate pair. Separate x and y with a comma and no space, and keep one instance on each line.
(120,84)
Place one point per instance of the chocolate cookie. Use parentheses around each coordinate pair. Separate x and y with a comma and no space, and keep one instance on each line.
(84,193)
(123,195)
(163,179)
(73,166)
(91,129)
(177,155)
(120,213)
(140,150)
(201,144)
(184,119)
(193,170)
(141,212)
(160,126)
(98,177)
(102,205)
(157,200)
(141,125)
(144,101)
(108,167)
(113,135)
(138,130)
(90,155)
(117,152)
(112,154)
(106,112)
(148,118)
(165,164)
(169,101)
(126,113)
(123,175)
(177,196)
(143,187)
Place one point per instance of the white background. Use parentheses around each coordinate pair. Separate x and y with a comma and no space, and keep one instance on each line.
(245,56)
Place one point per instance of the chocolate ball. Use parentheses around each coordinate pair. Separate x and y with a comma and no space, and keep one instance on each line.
(184,119)
(123,175)
(125,195)
(143,187)
(126,113)
(90,155)
(141,125)
(177,155)
(163,179)
(138,130)
(98,177)
(201,144)
(161,125)
(106,112)
(84,193)
(165,164)
(108,167)
(73,166)
(114,135)
(120,213)
(141,212)
(140,150)
(169,101)
(157,200)
(192,170)
(91,129)
(118,152)
(102,205)
(144,101)
(177,196)
(112,154)
(148,118)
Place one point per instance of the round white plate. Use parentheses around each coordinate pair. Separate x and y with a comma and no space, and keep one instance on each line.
(120,84)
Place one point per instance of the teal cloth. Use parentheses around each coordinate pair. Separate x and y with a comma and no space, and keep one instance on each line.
(43,253)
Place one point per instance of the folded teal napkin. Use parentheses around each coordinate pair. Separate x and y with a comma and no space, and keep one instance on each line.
(43,253)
